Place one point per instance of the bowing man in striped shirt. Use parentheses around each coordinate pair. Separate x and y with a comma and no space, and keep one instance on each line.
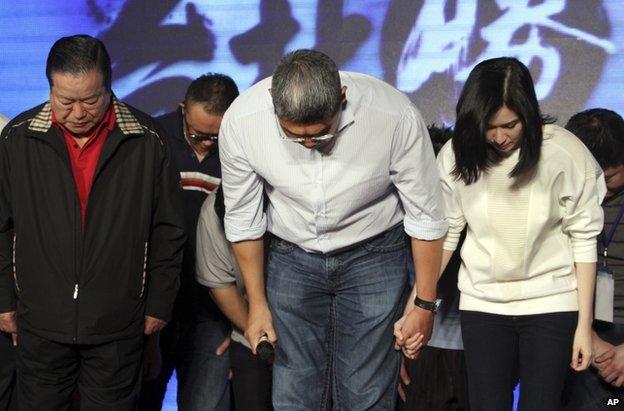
(338,168)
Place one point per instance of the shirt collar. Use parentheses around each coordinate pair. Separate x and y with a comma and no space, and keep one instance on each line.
(346,117)
(107,123)
(127,122)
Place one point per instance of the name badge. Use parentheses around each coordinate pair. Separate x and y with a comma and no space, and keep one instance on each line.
(603,307)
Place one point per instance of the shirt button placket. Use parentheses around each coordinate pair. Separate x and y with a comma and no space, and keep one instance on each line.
(320,200)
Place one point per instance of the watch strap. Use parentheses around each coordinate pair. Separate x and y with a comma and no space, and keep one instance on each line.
(427,305)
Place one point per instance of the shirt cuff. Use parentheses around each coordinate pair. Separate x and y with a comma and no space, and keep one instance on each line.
(236,233)
(451,241)
(425,229)
(214,284)
(585,251)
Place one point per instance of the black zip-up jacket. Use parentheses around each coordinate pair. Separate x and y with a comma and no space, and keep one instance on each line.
(91,284)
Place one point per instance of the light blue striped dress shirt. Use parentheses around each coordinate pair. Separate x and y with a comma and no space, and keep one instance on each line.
(378,171)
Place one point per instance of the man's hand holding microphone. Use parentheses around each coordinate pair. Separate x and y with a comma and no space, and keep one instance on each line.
(260,332)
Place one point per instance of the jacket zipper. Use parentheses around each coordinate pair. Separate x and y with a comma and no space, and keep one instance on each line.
(75,295)
(17,287)
(144,269)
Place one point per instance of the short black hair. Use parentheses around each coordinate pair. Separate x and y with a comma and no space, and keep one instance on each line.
(492,84)
(214,91)
(602,131)
(439,136)
(79,54)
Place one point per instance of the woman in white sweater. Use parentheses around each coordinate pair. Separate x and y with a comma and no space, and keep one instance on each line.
(529,193)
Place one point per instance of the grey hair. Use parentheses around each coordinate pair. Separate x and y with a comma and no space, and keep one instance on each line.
(306,87)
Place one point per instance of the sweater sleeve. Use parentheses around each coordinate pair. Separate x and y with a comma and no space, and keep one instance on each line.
(452,205)
(583,219)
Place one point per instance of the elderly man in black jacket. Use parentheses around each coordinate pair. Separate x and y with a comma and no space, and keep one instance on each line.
(90,236)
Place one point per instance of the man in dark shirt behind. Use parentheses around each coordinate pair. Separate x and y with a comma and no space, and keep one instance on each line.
(195,342)
(602,131)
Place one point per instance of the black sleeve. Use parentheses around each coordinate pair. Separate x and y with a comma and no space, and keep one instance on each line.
(167,237)
(8,298)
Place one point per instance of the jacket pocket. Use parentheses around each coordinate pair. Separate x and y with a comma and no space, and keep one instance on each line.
(17,287)
(144,269)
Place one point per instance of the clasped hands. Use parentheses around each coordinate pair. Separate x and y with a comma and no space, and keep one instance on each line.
(413,330)
(609,361)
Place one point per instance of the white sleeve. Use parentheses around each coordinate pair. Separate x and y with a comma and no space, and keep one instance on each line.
(452,204)
(415,176)
(242,188)
(583,219)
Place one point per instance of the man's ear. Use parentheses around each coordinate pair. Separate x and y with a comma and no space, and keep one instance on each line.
(343,97)
(270,92)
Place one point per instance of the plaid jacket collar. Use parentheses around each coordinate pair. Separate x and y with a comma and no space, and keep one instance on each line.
(127,122)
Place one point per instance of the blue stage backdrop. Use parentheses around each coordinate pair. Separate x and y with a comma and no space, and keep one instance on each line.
(425,48)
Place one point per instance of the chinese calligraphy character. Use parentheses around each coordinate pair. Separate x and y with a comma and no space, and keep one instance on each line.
(433,36)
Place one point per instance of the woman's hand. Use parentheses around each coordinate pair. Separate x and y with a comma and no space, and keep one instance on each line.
(412,332)
(582,348)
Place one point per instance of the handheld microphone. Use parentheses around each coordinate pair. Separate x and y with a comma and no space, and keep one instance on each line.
(265,349)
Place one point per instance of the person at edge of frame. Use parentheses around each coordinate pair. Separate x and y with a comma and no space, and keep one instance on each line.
(90,236)
(602,131)
(8,401)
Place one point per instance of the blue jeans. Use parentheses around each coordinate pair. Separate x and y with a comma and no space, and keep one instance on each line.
(334,317)
(189,349)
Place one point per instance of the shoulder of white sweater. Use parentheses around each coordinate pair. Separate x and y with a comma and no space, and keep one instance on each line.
(446,153)
(446,159)
(562,142)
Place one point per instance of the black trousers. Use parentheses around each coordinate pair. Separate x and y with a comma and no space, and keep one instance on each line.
(251,380)
(438,381)
(7,373)
(106,376)
(502,349)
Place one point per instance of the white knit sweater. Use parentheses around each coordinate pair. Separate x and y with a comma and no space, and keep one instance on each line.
(521,244)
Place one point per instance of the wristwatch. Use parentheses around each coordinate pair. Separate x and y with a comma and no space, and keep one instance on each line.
(428,305)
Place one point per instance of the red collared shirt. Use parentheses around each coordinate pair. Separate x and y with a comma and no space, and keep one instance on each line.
(84,159)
